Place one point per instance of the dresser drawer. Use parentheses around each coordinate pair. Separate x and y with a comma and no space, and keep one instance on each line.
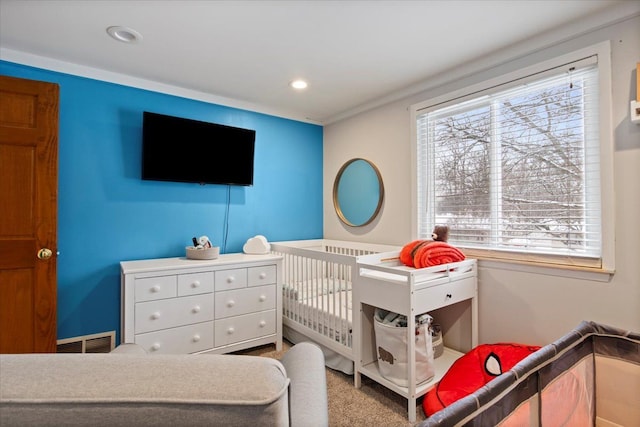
(163,314)
(243,301)
(231,279)
(446,294)
(263,275)
(241,328)
(153,288)
(180,340)
(195,283)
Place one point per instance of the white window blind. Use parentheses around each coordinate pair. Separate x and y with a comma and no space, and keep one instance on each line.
(515,169)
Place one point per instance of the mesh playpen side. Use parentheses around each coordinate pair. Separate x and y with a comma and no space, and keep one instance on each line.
(589,377)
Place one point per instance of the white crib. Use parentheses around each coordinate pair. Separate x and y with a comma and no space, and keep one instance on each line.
(318,296)
(326,280)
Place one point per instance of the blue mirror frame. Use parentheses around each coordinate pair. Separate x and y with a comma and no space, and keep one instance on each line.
(358,192)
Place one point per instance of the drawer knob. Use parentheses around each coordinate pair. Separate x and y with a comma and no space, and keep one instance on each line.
(195,284)
(196,309)
(263,275)
(263,298)
(231,279)
(196,338)
(448,295)
(155,347)
(156,315)
(231,303)
(230,331)
(263,323)
(155,288)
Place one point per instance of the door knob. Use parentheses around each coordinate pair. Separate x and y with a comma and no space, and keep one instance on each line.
(45,253)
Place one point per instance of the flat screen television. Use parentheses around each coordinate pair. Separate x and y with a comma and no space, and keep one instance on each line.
(185,150)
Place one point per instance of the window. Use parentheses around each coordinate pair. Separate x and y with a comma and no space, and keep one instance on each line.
(516,169)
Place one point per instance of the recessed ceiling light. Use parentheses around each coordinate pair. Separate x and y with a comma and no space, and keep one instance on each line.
(124,34)
(299,84)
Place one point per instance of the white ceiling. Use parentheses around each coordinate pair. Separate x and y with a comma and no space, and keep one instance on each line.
(354,54)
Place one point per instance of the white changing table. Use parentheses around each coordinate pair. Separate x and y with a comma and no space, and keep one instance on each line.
(450,290)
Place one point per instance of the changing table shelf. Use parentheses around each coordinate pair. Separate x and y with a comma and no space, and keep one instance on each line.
(450,289)
(442,365)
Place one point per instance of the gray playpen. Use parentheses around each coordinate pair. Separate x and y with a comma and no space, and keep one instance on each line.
(589,377)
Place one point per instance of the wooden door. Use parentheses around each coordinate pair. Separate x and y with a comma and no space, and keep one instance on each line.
(28,215)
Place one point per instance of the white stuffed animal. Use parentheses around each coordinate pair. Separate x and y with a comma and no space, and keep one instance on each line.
(203,242)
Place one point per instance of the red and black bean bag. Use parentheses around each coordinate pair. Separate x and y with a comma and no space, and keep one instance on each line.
(473,370)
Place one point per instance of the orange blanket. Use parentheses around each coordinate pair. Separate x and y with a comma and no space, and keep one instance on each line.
(409,250)
(426,253)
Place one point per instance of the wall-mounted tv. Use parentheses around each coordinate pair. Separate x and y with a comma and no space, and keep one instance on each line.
(185,150)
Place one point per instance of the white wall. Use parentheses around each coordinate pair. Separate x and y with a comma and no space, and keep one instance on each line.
(517,306)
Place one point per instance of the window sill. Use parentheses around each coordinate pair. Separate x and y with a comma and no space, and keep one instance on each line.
(580,273)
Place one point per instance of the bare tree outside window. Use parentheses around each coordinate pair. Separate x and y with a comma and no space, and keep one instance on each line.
(511,171)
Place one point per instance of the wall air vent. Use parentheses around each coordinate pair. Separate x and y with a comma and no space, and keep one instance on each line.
(96,343)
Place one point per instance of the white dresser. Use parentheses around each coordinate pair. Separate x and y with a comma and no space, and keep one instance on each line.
(178,305)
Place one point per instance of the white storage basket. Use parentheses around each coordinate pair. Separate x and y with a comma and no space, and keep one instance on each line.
(391,346)
(202,253)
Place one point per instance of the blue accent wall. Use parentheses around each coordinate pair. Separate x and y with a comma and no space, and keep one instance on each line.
(107,214)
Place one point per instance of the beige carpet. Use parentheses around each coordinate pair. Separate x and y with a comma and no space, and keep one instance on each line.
(372,404)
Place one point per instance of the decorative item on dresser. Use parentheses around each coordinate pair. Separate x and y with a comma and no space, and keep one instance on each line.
(177,305)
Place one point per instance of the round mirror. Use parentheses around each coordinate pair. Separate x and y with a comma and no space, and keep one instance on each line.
(358,192)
